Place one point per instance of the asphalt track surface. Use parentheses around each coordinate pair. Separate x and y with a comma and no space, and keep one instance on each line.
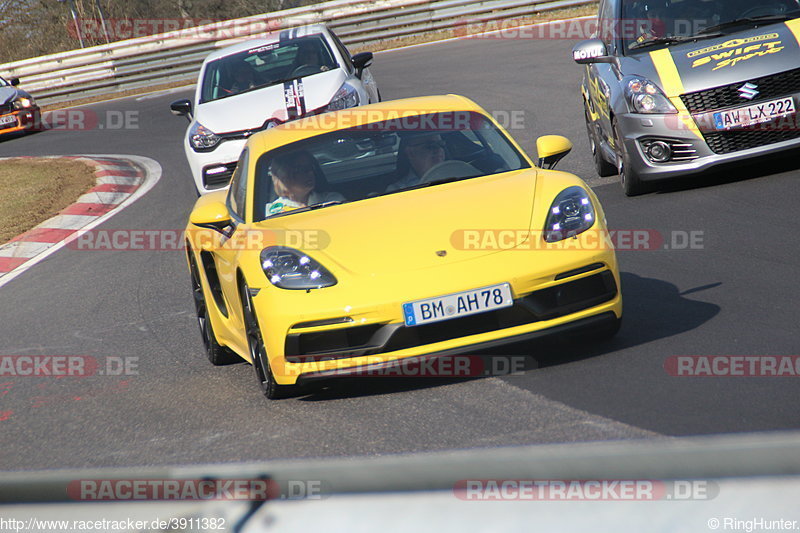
(737,295)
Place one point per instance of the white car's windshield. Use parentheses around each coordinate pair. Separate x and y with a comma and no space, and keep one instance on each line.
(266,65)
(380,158)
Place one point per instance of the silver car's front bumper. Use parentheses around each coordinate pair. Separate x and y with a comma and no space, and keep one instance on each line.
(637,129)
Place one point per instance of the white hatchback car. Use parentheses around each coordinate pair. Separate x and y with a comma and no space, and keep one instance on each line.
(258,84)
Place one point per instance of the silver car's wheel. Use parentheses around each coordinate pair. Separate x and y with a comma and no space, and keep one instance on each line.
(601,166)
(632,185)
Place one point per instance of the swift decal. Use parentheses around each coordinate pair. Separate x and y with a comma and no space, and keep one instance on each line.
(731,52)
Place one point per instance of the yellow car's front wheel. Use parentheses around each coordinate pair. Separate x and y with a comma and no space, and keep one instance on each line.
(255,342)
(216,353)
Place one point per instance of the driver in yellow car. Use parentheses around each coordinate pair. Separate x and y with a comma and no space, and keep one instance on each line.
(417,155)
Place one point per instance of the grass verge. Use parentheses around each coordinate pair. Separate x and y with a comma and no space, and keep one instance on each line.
(33,190)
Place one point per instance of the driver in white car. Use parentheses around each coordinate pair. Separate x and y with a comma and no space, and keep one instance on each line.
(416,156)
(308,55)
(244,77)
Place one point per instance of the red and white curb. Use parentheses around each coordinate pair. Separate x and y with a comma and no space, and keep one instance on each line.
(121,180)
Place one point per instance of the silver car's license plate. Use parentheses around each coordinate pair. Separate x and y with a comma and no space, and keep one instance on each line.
(754,114)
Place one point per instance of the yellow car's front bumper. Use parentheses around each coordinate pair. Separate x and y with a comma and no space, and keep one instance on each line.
(383,364)
(313,335)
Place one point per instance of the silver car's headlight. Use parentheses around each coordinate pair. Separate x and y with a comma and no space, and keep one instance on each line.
(288,268)
(571,213)
(23,103)
(345,97)
(646,97)
(202,138)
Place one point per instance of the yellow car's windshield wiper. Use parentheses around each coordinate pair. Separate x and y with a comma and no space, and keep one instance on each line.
(429,184)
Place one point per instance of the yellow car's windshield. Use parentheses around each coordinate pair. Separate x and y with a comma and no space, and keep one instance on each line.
(380,158)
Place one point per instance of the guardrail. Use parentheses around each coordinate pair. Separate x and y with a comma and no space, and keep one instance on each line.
(175,57)
(746,457)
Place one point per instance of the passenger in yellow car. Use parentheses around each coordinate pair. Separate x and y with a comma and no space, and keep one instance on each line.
(294,181)
(416,156)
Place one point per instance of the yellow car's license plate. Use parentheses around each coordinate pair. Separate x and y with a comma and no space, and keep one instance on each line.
(458,304)
(754,114)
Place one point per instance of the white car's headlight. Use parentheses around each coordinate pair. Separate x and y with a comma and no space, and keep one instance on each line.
(345,97)
(23,103)
(571,213)
(288,268)
(202,138)
(646,97)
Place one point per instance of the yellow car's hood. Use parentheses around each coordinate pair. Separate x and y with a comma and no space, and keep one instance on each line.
(411,230)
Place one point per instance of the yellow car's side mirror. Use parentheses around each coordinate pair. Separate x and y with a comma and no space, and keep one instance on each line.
(212,215)
(552,149)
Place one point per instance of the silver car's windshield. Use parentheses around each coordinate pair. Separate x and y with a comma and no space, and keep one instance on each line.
(646,24)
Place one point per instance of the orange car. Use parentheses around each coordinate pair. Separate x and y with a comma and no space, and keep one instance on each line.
(18,110)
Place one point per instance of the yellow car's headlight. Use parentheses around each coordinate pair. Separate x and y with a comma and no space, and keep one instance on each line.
(288,268)
(571,213)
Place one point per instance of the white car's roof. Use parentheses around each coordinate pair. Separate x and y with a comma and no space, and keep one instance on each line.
(298,31)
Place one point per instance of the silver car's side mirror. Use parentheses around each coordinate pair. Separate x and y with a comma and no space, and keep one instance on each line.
(591,51)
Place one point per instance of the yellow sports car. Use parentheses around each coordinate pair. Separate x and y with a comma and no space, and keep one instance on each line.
(372,237)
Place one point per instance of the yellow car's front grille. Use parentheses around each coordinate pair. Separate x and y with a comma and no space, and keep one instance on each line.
(546,304)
